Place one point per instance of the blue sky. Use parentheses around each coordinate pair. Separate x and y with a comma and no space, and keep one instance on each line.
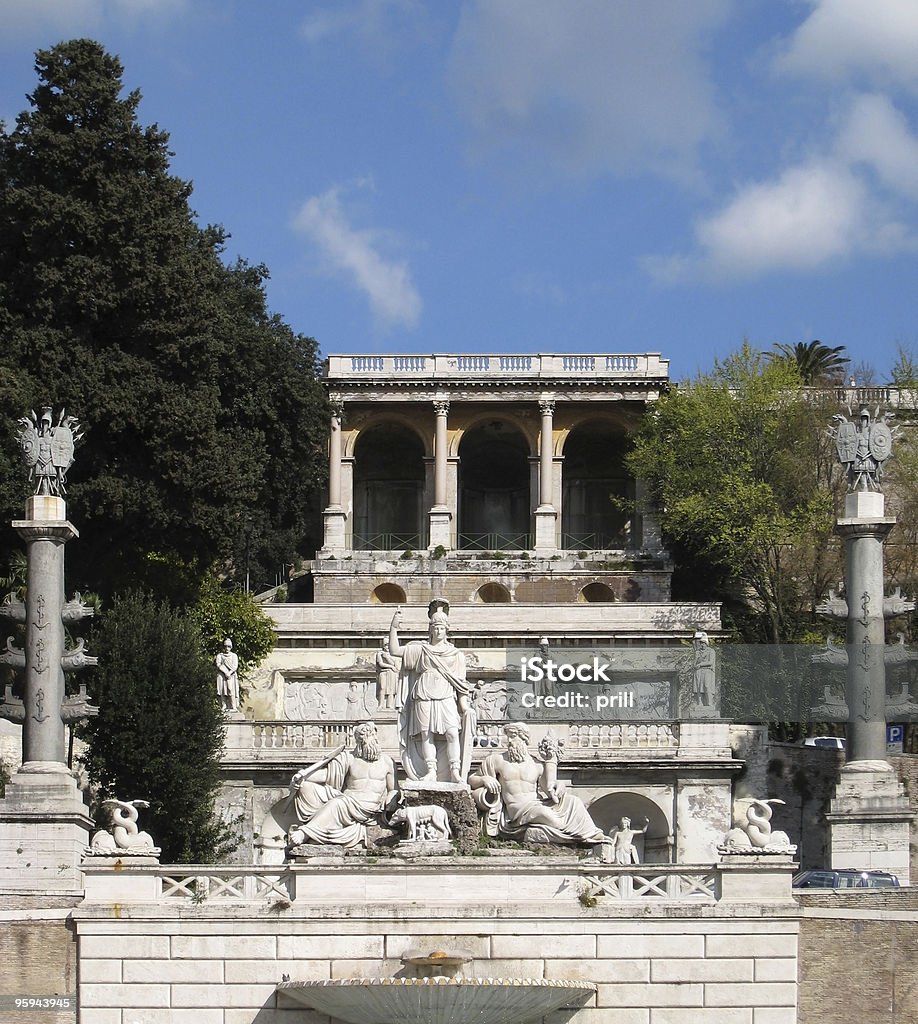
(539,175)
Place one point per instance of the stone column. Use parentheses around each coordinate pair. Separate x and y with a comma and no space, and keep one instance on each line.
(334,515)
(440,513)
(44,824)
(869,815)
(546,515)
(864,529)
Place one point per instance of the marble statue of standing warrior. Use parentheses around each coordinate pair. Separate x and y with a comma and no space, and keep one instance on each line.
(863,447)
(48,450)
(436,718)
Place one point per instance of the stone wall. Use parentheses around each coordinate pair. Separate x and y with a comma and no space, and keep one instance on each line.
(718,955)
(858,967)
(38,957)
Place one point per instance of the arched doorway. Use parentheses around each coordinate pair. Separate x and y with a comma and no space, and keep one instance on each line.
(594,475)
(388,489)
(494,482)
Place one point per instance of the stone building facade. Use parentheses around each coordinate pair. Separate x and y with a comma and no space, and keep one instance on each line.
(496,482)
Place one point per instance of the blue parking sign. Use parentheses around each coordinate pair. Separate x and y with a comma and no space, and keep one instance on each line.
(895,737)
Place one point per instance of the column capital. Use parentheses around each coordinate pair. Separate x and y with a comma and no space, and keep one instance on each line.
(336,402)
(547,405)
(441,405)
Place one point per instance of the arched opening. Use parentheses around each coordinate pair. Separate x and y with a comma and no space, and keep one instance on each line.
(494,488)
(388,490)
(493,593)
(656,846)
(388,593)
(595,475)
(596,593)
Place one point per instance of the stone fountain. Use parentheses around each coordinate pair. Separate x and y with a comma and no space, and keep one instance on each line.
(436,993)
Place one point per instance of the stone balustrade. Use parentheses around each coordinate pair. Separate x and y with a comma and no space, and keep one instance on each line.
(309,740)
(493,877)
(604,366)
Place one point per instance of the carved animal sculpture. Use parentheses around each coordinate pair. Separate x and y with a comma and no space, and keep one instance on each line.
(425,822)
(123,834)
(757,833)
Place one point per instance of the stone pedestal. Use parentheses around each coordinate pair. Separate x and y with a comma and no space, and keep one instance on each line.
(546,519)
(333,543)
(869,819)
(44,830)
(440,519)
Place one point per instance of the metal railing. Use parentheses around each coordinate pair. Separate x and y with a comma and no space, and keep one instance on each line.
(387,542)
(594,541)
(495,542)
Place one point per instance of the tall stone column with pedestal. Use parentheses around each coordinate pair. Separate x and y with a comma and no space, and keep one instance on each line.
(335,515)
(440,514)
(546,515)
(869,815)
(44,821)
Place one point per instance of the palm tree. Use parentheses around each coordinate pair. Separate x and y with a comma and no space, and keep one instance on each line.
(817,363)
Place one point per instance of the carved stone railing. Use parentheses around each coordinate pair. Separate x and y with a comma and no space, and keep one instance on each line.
(553,879)
(282,741)
(300,735)
(242,884)
(652,881)
(497,365)
(607,736)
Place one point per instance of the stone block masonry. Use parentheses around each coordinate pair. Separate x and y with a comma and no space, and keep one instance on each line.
(661,961)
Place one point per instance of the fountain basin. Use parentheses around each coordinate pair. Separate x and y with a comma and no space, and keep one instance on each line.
(438,1000)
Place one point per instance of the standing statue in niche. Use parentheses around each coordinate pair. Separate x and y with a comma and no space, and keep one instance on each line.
(522,798)
(335,799)
(48,450)
(863,447)
(622,835)
(227,662)
(436,719)
(703,672)
(387,669)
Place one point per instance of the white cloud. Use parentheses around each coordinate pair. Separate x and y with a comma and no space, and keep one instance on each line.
(354,254)
(841,37)
(812,215)
(878,135)
(587,85)
(380,25)
(69,16)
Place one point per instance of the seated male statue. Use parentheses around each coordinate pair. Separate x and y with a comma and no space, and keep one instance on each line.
(522,797)
(337,798)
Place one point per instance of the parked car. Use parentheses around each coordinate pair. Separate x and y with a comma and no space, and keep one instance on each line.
(844,878)
(834,742)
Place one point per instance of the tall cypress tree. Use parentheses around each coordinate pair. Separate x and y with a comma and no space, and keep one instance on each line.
(205,412)
(158,733)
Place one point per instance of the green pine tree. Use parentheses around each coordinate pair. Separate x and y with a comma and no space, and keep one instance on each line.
(205,413)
